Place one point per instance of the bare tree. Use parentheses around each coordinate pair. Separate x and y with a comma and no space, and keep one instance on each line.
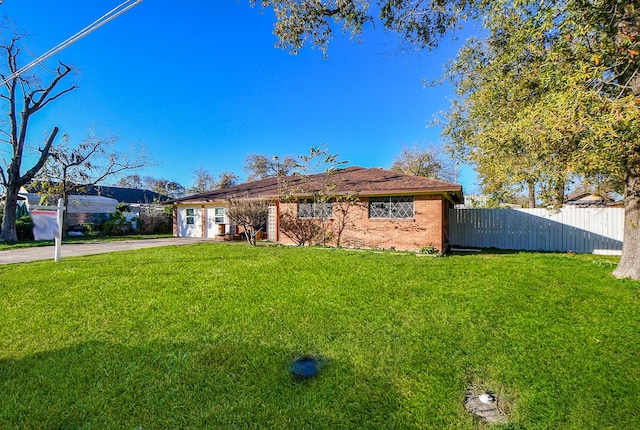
(24,95)
(301,231)
(250,214)
(344,215)
(72,169)
(313,192)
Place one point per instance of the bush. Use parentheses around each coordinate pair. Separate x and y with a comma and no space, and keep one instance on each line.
(24,228)
(115,226)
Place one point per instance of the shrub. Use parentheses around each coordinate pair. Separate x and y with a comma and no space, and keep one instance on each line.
(24,228)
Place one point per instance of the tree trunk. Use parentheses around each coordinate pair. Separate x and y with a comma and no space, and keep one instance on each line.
(9,233)
(629,266)
(532,194)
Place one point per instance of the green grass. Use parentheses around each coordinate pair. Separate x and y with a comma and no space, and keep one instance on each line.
(201,336)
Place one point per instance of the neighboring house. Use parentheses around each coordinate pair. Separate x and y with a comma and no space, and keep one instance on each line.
(95,204)
(80,210)
(587,199)
(145,205)
(393,210)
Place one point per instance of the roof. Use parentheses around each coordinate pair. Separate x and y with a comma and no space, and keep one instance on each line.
(353,180)
(587,198)
(77,204)
(122,195)
(126,195)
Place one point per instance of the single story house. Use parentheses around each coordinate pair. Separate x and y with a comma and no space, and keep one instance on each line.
(95,204)
(388,210)
(588,199)
(80,210)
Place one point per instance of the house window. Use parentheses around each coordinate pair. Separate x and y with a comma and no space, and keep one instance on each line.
(191,216)
(313,209)
(219,216)
(391,207)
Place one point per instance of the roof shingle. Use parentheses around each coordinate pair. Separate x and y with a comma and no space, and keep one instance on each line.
(350,181)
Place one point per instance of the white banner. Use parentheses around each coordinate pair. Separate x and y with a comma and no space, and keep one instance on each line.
(45,224)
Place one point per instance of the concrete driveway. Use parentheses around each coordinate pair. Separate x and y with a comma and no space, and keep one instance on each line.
(25,255)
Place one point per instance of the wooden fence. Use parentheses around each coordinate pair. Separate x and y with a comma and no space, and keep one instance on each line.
(582,230)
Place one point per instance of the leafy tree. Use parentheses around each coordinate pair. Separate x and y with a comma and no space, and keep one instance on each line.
(203,181)
(72,169)
(554,89)
(164,187)
(133,181)
(250,214)
(582,116)
(426,161)
(421,23)
(226,180)
(23,95)
(258,166)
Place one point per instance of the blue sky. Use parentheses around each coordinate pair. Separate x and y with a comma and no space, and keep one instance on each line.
(200,83)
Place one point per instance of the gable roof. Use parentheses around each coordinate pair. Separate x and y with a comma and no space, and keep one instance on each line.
(353,180)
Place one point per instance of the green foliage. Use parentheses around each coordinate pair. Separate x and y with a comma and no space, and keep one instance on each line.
(24,228)
(429,250)
(425,161)
(201,336)
(537,100)
(420,23)
(116,225)
(259,167)
(550,94)
(123,208)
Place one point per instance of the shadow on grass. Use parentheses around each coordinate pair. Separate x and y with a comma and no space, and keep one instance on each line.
(227,384)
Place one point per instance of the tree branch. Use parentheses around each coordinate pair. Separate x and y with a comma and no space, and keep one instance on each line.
(44,153)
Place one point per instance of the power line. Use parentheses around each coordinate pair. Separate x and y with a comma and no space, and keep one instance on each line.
(113,13)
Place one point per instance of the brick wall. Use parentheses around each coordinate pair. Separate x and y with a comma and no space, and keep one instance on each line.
(426,228)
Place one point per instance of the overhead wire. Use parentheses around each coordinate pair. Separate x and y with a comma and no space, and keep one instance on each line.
(112,14)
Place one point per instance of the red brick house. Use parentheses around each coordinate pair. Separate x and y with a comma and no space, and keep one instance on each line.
(387,210)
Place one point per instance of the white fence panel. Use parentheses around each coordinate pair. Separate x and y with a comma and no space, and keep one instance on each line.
(583,230)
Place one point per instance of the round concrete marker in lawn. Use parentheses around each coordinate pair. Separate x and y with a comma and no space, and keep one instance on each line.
(485,406)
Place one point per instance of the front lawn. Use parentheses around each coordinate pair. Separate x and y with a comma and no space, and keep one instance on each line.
(201,336)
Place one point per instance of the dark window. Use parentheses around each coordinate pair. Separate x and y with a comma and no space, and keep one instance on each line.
(191,216)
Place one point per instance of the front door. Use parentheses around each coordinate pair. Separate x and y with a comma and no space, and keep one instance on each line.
(190,222)
(217,223)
